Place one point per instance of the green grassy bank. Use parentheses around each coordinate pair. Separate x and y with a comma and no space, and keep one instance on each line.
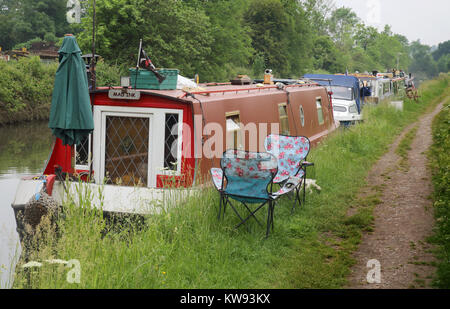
(189,248)
(440,164)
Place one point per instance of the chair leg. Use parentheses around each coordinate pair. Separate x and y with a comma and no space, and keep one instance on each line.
(270,224)
(269,219)
(220,207)
(253,213)
(225,203)
(272,212)
(304,187)
(295,193)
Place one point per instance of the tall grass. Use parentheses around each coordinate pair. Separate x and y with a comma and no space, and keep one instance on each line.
(187,247)
(440,163)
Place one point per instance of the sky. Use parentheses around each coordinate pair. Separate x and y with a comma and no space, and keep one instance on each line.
(428,20)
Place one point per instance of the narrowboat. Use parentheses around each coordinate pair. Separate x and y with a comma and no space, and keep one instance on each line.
(346,96)
(149,145)
(380,88)
(399,85)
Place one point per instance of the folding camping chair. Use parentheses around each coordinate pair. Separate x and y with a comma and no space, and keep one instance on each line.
(291,152)
(244,177)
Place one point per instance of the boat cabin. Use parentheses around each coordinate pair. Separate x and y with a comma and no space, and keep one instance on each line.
(171,138)
(346,95)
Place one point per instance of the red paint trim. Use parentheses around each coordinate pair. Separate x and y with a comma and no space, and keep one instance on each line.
(49,184)
(61,156)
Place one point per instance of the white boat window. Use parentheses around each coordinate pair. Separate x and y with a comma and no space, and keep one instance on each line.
(319,110)
(233,123)
(302,116)
(338,108)
(341,93)
(386,88)
(284,120)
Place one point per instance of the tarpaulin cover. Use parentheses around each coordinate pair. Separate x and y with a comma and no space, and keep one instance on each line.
(71,114)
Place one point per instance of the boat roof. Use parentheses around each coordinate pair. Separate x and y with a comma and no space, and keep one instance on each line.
(339,81)
(217,91)
(334,80)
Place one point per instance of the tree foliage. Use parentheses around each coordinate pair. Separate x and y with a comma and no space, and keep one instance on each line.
(24,20)
(218,39)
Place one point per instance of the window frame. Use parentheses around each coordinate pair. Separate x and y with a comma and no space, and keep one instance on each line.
(320,108)
(237,133)
(302,116)
(156,154)
(284,131)
(89,162)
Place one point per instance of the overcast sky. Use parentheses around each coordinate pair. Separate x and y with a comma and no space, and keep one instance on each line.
(427,20)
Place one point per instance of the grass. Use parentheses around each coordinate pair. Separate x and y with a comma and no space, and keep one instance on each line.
(189,248)
(439,160)
(404,147)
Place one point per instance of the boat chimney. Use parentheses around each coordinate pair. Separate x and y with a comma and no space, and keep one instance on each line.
(268,77)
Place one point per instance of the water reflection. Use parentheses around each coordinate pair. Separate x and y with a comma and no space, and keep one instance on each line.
(24,150)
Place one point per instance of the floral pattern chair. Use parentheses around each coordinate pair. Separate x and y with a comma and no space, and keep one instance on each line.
(291,152)
(245,177)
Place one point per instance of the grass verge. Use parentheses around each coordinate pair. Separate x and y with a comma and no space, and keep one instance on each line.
(189,248)
(439,158)
(404,147)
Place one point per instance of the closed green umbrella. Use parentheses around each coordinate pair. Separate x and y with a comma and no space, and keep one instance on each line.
(71,114)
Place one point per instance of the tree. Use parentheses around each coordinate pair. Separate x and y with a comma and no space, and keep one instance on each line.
(326,56)
(232,49)
(422,62)
(342,23)
(174,34)
(444,63)
(24,20)
(443,49)
(280,35)
(317,13)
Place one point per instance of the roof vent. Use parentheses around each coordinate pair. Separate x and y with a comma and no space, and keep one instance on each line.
(242,80)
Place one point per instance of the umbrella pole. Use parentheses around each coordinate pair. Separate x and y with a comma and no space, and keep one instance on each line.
(93,79)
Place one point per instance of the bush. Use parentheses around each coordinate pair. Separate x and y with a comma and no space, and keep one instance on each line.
(25,89)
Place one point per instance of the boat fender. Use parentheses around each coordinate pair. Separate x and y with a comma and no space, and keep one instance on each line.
(49,184)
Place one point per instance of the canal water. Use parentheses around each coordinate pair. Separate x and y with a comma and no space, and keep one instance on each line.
(24,149)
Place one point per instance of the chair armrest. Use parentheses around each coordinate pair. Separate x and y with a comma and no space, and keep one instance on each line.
(306,164)
(217,177)
(288,186)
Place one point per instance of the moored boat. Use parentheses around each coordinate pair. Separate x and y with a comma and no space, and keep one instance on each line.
(150,148)
(348,100)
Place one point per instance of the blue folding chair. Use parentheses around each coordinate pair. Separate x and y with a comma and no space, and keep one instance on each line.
(291,153)
(245,177)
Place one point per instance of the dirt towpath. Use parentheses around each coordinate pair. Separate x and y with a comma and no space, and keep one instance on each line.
(403,219)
